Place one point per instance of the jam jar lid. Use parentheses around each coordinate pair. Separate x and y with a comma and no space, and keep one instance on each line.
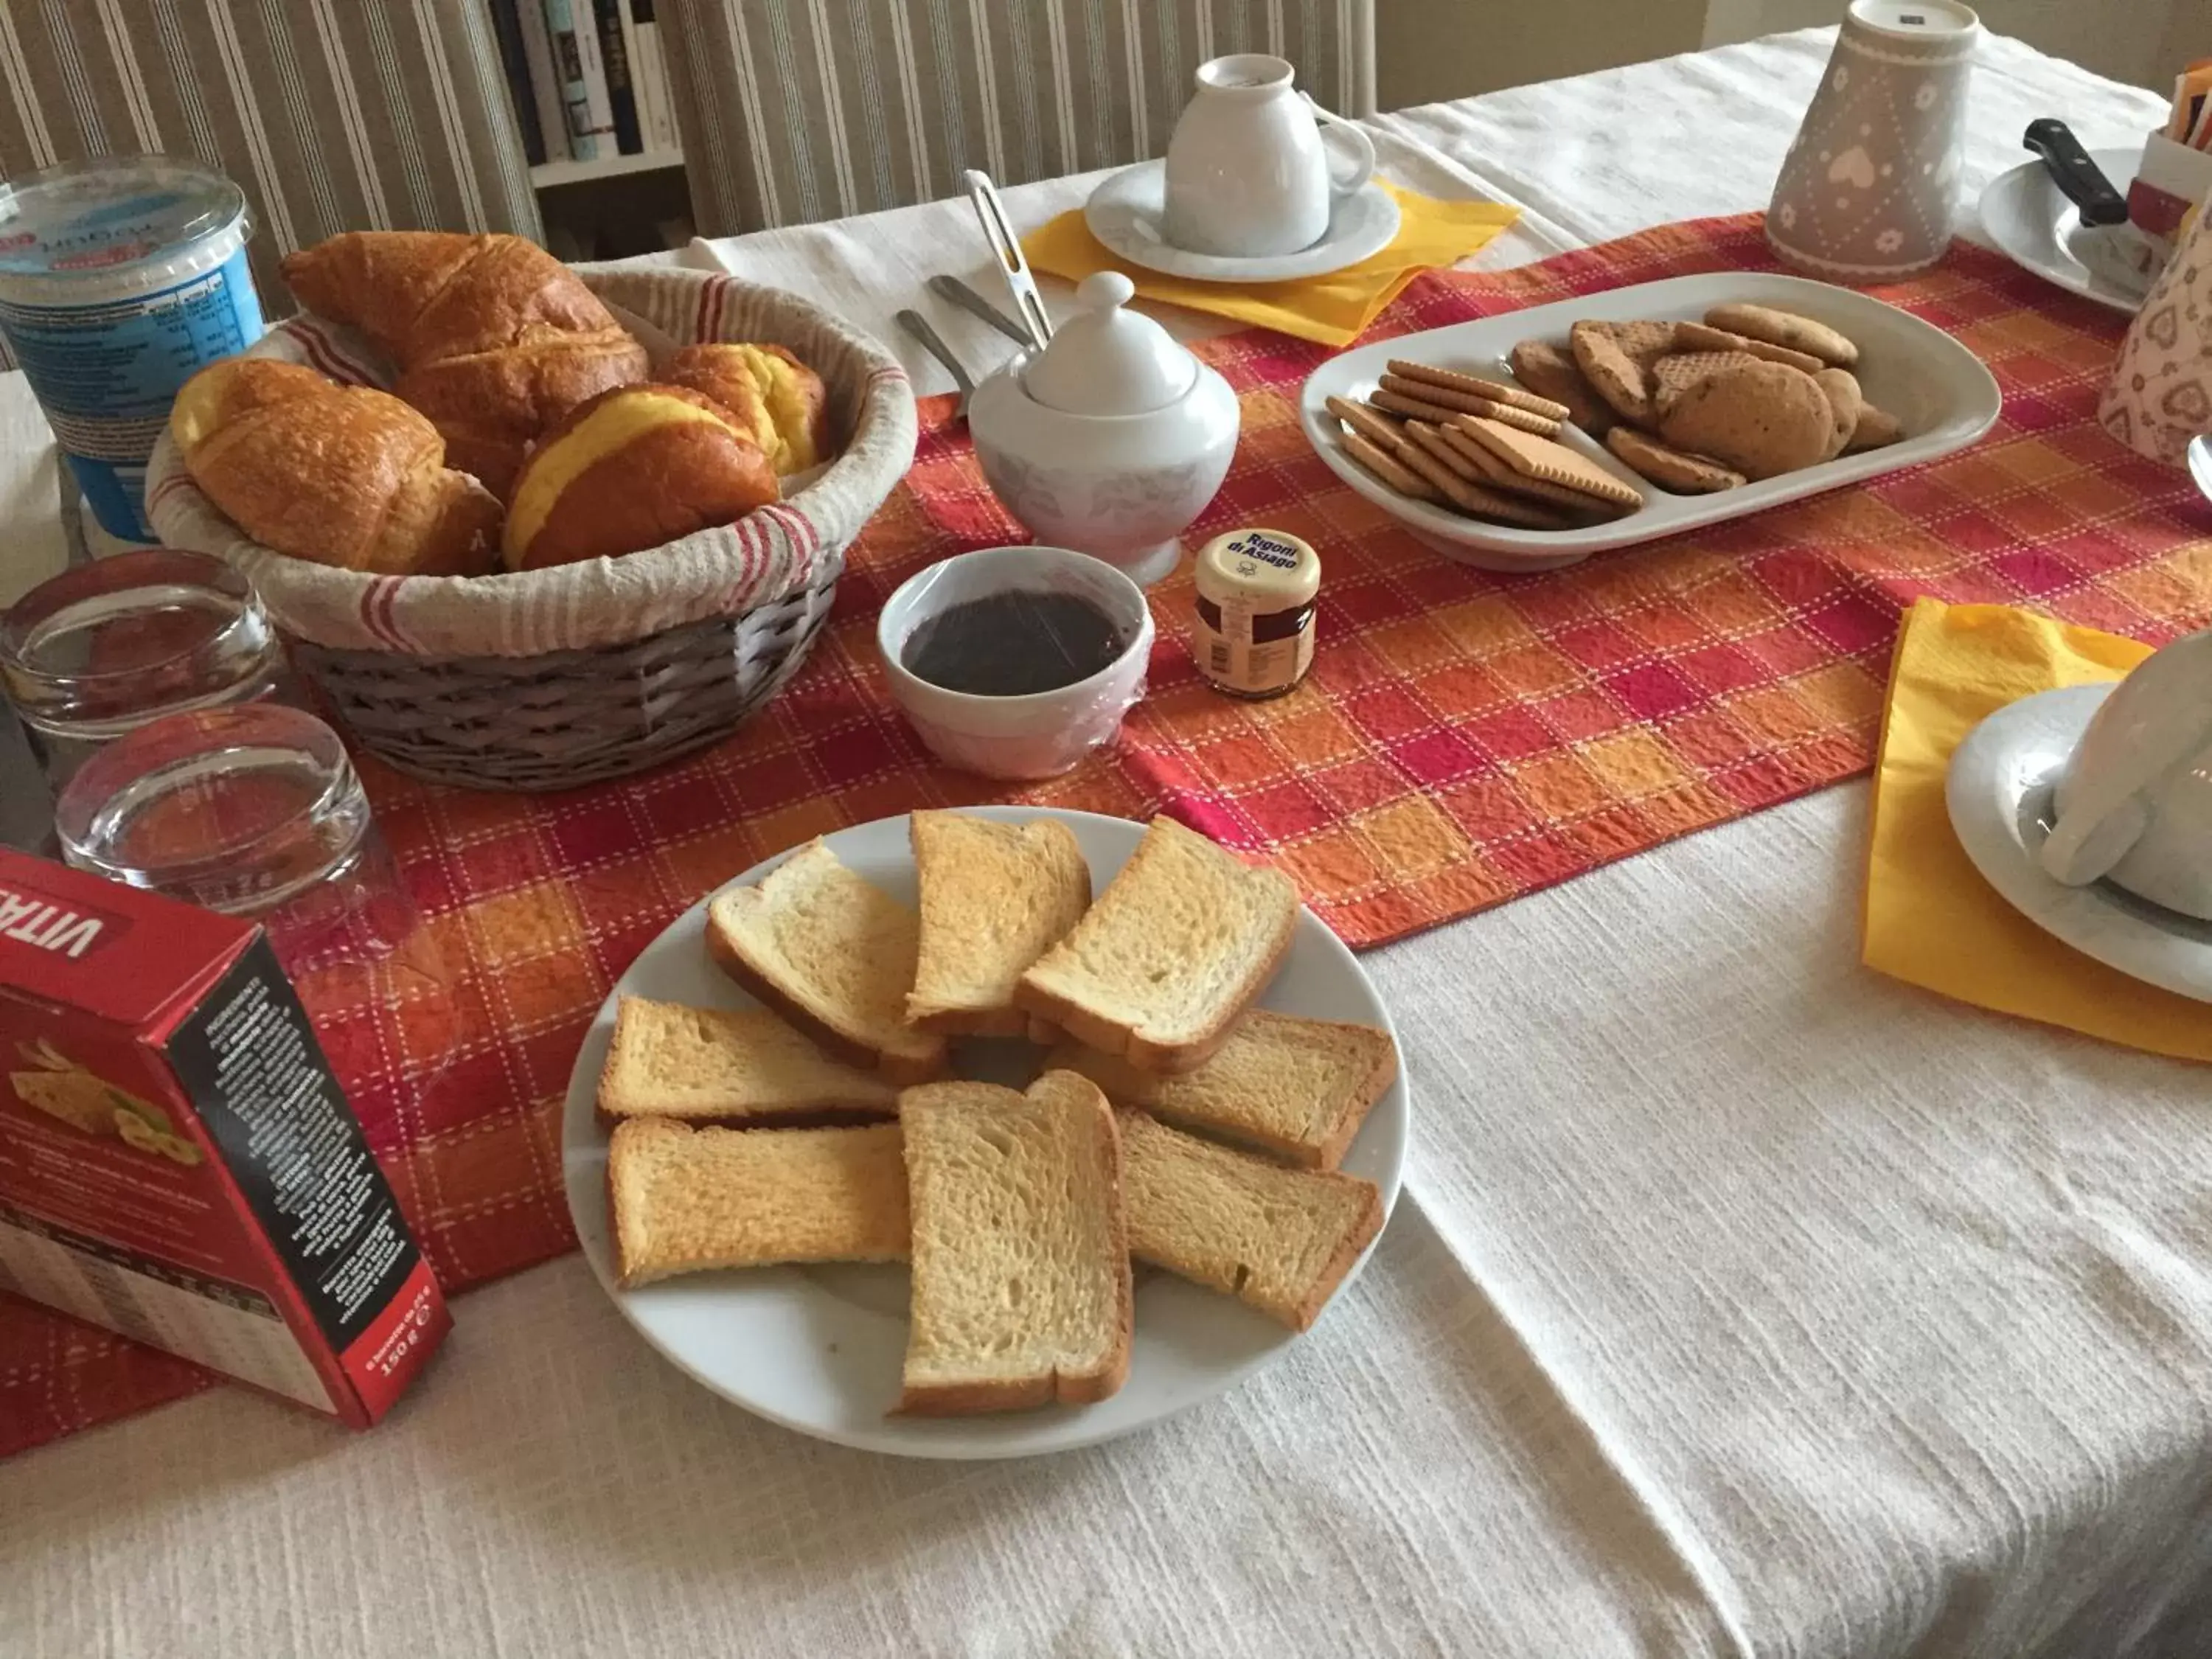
(1261,570)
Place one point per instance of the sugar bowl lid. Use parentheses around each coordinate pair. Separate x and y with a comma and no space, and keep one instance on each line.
(1108,359)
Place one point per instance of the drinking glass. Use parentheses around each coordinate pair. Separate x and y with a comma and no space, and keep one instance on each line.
(104,647)
(256,812)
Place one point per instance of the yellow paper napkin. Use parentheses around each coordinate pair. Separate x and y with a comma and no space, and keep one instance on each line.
(1930,918)
(1334,309)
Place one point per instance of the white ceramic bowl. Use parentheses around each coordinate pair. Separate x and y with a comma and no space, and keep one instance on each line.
(1040,735)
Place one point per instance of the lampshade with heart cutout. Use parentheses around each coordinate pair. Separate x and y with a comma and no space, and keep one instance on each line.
(1869,189)
(2159,396)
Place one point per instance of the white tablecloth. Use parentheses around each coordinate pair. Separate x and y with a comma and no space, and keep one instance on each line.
(1743,1301)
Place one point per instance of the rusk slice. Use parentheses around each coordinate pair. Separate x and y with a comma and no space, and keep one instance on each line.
(1279,1239)
(994,897)
(1498,476)
(685,1200)
(1021,1246)
(834,954)
(1439,459)
(1533,457)
(1298,1089)
(670,1060)
(1472,403)
(1180,942)
(1474,386)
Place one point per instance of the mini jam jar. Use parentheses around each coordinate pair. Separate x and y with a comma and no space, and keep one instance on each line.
(1253,632)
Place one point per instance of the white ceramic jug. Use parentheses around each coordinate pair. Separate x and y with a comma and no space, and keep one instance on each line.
(1247,175)
(2135,803)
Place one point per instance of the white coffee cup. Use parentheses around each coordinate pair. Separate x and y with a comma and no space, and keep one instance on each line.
(1247,175)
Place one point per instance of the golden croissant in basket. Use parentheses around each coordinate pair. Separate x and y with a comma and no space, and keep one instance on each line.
(347,476)
(495,340)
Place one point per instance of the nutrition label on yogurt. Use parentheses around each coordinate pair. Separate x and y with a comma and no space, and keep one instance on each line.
(97,366)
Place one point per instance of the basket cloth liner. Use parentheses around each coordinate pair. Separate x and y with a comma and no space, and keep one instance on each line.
(720,572)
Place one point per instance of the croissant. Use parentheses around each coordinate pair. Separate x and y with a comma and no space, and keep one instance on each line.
(495,340)
(345,476)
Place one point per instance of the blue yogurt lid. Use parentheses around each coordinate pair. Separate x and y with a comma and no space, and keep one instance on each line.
(114,219)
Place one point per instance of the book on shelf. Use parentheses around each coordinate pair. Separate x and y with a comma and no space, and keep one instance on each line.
(575,38)
(615,57)
(514,64)
(576,54)
(649,70)
(545,89)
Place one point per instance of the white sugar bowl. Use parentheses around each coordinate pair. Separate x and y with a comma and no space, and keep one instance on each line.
(1112,439)
(2135,803)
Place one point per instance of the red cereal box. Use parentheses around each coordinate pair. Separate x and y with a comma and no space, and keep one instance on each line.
(178,1162)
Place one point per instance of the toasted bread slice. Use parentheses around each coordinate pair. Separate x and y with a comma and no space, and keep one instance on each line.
(994,897)
(834,955)
(1177,946)
(685,1200)
(1298,1089)
(1281,1239)
(713,1064)
(1021,1253)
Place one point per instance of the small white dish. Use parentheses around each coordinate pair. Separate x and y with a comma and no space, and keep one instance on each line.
(819,1349)
(2028,217)
(1044,734)
(1127,213)
(1940,392)
(2000,790)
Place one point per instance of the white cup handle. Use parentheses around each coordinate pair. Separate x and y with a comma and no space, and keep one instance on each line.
(1362,145)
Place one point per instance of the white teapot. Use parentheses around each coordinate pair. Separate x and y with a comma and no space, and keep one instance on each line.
(2135,803)
(1112,439)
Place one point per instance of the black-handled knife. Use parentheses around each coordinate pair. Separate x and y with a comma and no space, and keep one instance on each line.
(2071,168)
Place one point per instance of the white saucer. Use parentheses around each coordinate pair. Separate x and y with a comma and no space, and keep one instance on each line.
(2034,224)
(1999,790)
(1125,214)
(818,1349)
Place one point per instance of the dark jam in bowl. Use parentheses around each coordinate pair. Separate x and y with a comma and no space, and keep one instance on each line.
(1013,645)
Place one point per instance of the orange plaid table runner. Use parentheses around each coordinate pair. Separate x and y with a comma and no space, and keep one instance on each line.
(1464,738)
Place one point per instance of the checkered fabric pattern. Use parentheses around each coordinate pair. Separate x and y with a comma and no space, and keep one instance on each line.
(1464,738)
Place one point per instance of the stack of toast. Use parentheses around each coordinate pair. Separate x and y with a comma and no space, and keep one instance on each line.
(1172,1121)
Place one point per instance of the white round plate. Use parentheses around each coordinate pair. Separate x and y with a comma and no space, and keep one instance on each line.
(1999,788)
(2032,223)
(1126,213)
(819,1349)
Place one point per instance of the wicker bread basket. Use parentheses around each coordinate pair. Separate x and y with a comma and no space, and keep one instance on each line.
(551,678)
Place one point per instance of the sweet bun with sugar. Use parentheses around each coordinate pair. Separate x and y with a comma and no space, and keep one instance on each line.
(777,397)
(633,468)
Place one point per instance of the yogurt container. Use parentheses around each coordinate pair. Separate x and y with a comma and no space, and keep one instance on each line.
(118,278)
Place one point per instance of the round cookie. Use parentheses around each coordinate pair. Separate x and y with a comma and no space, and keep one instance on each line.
(1760,418)
(1877,427)
(1844,402)
(1618,378)
(1671,376)
(1670,468)
(1703,337)
(1785,328)
(1550,371)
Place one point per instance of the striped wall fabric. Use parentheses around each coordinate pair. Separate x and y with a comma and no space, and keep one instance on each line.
(330,114)
(794,111)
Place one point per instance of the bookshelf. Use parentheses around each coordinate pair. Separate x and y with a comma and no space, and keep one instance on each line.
(546,175)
